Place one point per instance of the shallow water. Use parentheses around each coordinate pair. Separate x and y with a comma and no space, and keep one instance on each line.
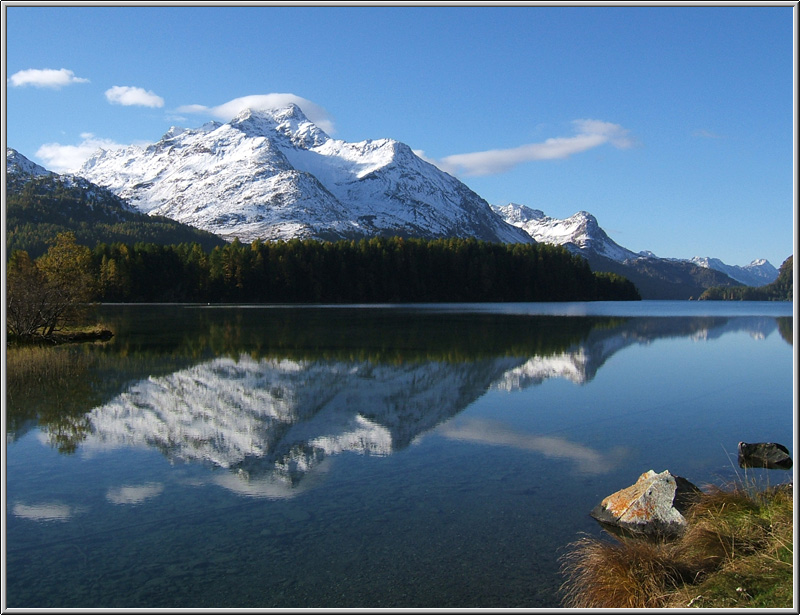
(364,456)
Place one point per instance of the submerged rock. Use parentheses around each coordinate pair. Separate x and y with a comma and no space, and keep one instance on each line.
(652,507)
(764,455)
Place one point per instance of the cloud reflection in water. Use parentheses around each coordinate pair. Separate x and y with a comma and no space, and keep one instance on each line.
(586,459)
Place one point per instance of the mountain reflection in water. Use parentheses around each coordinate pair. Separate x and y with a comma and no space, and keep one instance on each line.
(286,391)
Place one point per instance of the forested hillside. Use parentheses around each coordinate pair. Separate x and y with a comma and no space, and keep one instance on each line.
(39,208)
(781,289)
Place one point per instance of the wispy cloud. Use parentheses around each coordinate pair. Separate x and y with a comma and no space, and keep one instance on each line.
(227,111)
(45,78)
(68,158)
(129,96)
(706,134)
(589,134)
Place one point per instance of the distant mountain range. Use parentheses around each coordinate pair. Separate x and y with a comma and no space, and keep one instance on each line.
(656,278)
(274,174)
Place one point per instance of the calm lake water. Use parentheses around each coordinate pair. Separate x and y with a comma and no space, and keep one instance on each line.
(364,456)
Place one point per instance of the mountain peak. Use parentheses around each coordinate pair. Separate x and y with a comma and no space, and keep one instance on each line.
(290,111)
(588,224)
(289,122)
(16,163)
(517,214)
(579,233)
(584,215)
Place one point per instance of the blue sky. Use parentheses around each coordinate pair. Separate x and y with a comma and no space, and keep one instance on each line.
(674,126)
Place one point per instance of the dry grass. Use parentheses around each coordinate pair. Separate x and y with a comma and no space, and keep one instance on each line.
(37,362)
(629,573)
(737,551)
(34,366)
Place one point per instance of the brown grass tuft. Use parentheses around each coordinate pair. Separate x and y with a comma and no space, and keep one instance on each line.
(629,573)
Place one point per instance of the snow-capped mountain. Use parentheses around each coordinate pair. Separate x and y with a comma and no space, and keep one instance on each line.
(273,174)
(757,273)
(656,278)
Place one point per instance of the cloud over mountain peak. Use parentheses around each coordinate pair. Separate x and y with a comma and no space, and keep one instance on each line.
(228,110)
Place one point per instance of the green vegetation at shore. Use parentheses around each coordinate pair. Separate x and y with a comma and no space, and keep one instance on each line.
(737,551)
(782,289)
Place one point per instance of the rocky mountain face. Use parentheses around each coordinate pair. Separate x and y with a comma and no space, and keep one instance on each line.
(656,278)
(580,233)
(273,174)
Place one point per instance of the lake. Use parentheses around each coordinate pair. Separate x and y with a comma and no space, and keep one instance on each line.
(370,456)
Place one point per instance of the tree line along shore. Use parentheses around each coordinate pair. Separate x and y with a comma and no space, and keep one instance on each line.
(377,270)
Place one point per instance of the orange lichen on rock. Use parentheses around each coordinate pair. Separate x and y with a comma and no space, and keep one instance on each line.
(646,505)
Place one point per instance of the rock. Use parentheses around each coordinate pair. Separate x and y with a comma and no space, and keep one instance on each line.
(764,455)
(651,507)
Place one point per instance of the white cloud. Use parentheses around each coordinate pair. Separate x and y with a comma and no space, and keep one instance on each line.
(227,111)
(128,96)
(69,158)
(590,134)
(45,78)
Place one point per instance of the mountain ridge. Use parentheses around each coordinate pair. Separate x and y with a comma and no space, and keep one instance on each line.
(656,278)
(40,204)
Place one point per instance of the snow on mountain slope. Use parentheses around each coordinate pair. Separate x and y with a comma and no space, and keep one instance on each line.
(220,179)
(273,174)
(16,163)
(20,170)
(580,233)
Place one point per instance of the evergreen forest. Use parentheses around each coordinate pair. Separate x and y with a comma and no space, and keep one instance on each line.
(376,270)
